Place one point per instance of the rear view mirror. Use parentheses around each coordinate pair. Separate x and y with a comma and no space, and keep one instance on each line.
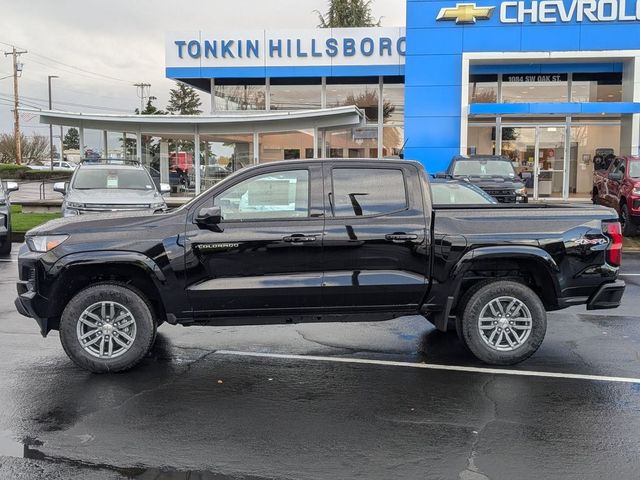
(165,188)
(209,216)
(60,187)
(11,187)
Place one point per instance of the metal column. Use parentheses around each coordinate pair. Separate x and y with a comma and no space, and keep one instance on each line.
(196,151)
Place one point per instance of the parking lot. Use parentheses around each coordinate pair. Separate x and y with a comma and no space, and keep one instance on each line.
(383,400)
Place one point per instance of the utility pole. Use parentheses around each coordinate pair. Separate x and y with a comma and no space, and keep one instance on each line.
(17,67)
(140,88)
(50,125)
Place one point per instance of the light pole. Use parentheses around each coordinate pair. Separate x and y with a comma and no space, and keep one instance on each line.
(50,125)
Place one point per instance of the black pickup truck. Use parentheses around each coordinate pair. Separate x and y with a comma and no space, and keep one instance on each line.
(317,241)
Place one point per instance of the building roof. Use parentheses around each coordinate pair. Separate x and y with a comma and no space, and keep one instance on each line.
(221,122)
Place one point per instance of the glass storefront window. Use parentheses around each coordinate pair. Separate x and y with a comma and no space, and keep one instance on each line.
(363,96)
(483,88)
(92,144)
(295,97)
(285,145)
(223,154)
(535,88)
(352,143)
(393,103)
(393,141)
(481,140)
(587,143)
(240,97)
(596,87)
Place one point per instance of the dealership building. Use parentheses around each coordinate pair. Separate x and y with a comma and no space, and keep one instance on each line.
(548,83)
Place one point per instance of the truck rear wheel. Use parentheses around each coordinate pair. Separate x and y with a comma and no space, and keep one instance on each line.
(107,328)
(503,322)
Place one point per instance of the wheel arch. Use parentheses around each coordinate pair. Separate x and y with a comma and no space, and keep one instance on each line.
(75,272)
(532,266)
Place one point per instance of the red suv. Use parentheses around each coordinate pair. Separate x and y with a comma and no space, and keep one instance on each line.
(619,187)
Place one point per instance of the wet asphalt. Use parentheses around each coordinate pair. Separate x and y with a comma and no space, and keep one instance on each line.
(190,411)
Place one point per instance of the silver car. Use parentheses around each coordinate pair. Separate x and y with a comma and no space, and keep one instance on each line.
(110,186)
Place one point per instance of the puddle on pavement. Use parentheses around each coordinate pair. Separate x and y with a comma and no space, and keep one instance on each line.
(9,447)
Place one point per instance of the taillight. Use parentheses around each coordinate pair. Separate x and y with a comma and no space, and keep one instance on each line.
(613,230)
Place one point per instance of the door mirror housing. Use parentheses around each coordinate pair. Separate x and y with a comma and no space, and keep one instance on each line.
(210,216)
(60,187)
(165,188)
(615,176)
(11,187)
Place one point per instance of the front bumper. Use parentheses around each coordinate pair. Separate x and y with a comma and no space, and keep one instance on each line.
(609,295)
(25,305)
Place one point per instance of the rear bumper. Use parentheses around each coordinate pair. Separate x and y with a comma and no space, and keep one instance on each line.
(609,295)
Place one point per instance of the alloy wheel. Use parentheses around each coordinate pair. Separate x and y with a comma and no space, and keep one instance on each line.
(106,329)
(505,323)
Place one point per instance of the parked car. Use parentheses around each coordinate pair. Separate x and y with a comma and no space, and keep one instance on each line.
(57,165)
(449,191)
(493,173)
(5,216)
(110,186)
(619,188)
(318,240)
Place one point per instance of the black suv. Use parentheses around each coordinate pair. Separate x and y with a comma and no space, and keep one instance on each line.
(492,173)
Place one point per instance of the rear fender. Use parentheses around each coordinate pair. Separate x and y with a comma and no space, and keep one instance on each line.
(535,256)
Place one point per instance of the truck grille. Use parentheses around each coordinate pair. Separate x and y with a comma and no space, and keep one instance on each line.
(503,196)
(113,208)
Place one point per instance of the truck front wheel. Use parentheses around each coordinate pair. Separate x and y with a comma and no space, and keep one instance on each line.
(107,328)
(503,322)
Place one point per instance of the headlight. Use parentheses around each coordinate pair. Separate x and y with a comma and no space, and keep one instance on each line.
(636,191)
(75,205)
(155,206)
(521,191)
(44,243)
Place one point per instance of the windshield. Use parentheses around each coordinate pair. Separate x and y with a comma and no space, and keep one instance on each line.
(499,168)
(634,169)
(452,193)
(102,178)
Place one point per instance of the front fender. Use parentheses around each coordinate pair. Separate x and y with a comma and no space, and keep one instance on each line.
(108,256)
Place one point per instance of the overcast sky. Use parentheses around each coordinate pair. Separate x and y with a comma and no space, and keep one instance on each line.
(124,40)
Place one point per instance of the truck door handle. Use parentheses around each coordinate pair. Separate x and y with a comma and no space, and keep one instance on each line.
(400,237)
(299,238)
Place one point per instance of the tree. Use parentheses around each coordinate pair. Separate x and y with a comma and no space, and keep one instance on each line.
(368,101)
(150,108)
(348,13)
(33,148)
(184,100)
(71,139)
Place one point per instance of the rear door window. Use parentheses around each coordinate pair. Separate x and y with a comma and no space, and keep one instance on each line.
(367,191)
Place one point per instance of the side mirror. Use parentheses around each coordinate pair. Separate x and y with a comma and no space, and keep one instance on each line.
(165,188)
(60,187)
(11,187)
(209,216)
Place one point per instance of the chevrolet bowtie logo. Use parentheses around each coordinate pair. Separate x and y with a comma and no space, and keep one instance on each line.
(465,13)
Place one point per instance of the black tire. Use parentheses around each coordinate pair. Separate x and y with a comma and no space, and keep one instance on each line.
(141,311)
(466,296)
(479,297)
(628,228)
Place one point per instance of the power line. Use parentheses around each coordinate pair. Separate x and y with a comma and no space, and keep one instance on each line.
(44,103)
(53,60)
